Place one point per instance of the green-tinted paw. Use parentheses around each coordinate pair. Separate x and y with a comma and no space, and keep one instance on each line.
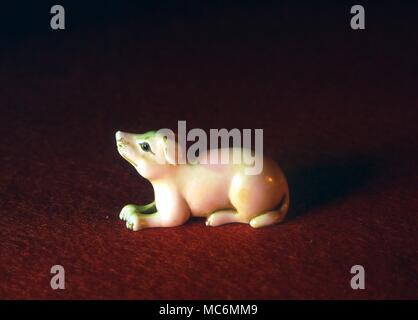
(133,216)
(135,221)
(133,208)
(128,210)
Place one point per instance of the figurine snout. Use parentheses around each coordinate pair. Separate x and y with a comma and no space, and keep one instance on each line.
(124,142)
(122,139)
(119,135)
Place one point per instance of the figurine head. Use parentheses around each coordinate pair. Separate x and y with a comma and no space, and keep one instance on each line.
(148,152)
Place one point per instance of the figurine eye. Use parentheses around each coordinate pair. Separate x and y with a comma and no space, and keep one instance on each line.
(145,146)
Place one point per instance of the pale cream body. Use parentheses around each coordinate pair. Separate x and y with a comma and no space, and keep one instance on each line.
(223,193)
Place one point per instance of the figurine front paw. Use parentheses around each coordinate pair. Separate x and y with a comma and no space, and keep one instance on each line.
(132,216)
(127,210)
(134,222)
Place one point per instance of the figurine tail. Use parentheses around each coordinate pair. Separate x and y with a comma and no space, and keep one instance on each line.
(284,204)
(272,217)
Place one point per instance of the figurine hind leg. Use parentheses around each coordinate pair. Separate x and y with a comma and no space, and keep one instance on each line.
(271,217)
(266,219)
(221,217)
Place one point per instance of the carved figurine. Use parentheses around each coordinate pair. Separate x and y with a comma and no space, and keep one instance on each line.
(223,193)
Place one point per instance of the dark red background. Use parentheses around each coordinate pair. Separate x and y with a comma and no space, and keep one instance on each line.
(339,113)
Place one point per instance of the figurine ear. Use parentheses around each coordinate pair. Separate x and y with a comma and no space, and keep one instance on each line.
(170,150)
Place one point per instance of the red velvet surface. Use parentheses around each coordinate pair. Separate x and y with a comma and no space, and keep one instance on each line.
(339,113)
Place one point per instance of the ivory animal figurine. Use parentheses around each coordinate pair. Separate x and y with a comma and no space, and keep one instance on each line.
(222,193)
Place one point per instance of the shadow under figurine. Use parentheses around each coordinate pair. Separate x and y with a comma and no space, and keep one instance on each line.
(223,193)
